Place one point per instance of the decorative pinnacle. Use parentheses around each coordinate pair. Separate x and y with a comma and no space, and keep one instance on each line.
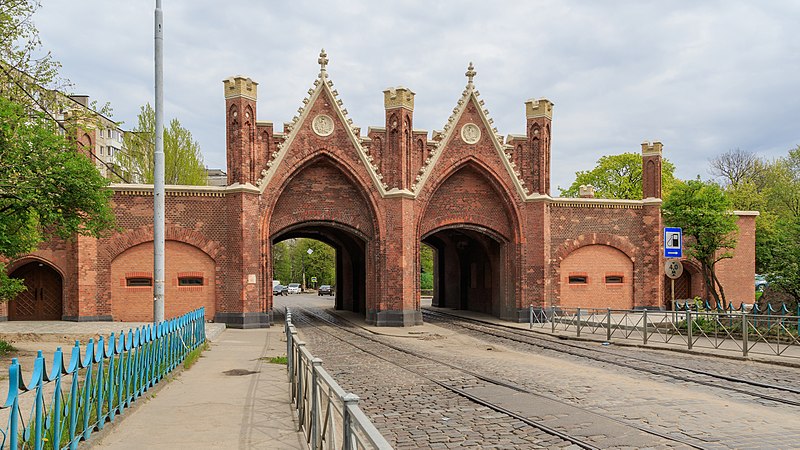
(470,73)
(323,60)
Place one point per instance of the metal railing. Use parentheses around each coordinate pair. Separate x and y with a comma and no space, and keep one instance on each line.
(329,417)
(733,330)
(70,401)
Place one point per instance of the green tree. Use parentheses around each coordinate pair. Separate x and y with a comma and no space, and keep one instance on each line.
(619,176)
(783,267)
(291,256)
(183,162)
(704,213)
(28,75)
(426,267)
(47,188)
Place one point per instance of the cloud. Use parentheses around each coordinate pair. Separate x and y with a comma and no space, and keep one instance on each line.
(701,77)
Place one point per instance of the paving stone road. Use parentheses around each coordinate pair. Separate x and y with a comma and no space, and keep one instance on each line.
(575,394)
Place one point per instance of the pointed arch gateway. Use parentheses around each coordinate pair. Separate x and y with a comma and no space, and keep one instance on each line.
(323,200)
(471,235)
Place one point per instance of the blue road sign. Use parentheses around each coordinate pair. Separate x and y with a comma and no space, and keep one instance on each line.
(673,242)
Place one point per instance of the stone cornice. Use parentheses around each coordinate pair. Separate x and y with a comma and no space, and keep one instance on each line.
(184,190)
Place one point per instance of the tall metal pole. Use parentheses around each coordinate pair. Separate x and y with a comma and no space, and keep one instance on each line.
(158,175)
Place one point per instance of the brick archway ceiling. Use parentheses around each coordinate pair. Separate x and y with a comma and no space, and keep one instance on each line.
(323,86)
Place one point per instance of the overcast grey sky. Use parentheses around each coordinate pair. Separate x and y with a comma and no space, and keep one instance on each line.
(703,77)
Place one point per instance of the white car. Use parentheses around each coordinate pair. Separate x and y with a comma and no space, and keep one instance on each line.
(294,288)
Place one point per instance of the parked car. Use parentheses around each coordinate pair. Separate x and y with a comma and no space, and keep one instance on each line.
(325,289)
(279,289)
(294,288)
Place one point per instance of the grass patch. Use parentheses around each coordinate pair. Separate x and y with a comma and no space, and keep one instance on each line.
(275,359)
(6,348)
(194,355)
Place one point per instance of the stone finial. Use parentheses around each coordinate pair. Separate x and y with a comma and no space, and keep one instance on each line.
(323,61)
(240,86)
(586,191)
(398,97)
(652,149)
(539,108)
(470,73)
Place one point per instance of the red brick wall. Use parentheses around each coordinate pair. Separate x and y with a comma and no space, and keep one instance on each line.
(321,192)
(596,262)
(576,225)
(467,197)
(737,274)
(135,304)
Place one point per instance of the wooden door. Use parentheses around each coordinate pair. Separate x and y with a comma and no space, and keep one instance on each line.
(42,300)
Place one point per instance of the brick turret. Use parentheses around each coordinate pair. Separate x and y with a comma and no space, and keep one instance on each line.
(397,159)
(240,123)
(651,169)
(536,164)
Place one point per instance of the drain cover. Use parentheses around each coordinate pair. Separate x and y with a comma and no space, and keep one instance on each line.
(238,372)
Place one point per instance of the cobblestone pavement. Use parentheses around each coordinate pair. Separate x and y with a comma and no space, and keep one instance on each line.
(414,412)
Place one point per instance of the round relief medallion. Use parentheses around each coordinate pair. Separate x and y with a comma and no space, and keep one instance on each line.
(470,133)
(322,125)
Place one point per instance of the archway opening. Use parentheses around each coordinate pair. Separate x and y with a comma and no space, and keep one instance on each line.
(468,269)
(43,296)
(303,263)
(338,259)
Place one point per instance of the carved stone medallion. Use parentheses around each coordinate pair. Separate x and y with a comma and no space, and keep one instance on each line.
(470,133)
(322,125)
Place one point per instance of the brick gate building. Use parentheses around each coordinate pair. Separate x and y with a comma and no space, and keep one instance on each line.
(481,201)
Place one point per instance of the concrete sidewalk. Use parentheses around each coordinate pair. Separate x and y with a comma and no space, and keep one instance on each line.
(231,398)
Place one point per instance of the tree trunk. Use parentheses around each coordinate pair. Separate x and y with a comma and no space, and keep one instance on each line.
(708,277)
(721,290)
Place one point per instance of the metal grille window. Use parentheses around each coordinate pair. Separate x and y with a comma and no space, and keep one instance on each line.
(138,281)
(578,279)
(190,281)
(614,279)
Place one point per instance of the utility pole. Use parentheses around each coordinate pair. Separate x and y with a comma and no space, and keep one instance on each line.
(158,175)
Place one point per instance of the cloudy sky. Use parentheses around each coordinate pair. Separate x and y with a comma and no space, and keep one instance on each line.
(703,77)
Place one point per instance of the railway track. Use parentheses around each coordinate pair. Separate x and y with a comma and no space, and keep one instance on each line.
(454,379)
(761,390)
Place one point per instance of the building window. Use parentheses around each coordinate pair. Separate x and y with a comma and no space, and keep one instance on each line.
(109,150)
(101,150)
(138,281)
(190,281)
(578,279)
(614,279)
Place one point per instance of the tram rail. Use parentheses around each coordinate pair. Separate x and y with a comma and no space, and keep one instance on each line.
(311,316)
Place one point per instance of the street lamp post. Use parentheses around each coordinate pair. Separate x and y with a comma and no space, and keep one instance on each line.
(309,251)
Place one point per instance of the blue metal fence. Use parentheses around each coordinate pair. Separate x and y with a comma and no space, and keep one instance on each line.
(80,394)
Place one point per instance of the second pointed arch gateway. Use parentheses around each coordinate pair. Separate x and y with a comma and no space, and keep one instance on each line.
(475,261)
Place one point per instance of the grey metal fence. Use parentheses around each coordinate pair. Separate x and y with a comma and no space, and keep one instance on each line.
(329,416)
(738,331)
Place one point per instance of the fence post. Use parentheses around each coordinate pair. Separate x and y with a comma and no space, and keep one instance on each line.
(644,326)
(578,322)
(608,324)
(347,429)
(293,361)
(745,332)
(301,402)
(689,328)
(553,320)
(315,363)
(530,316)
